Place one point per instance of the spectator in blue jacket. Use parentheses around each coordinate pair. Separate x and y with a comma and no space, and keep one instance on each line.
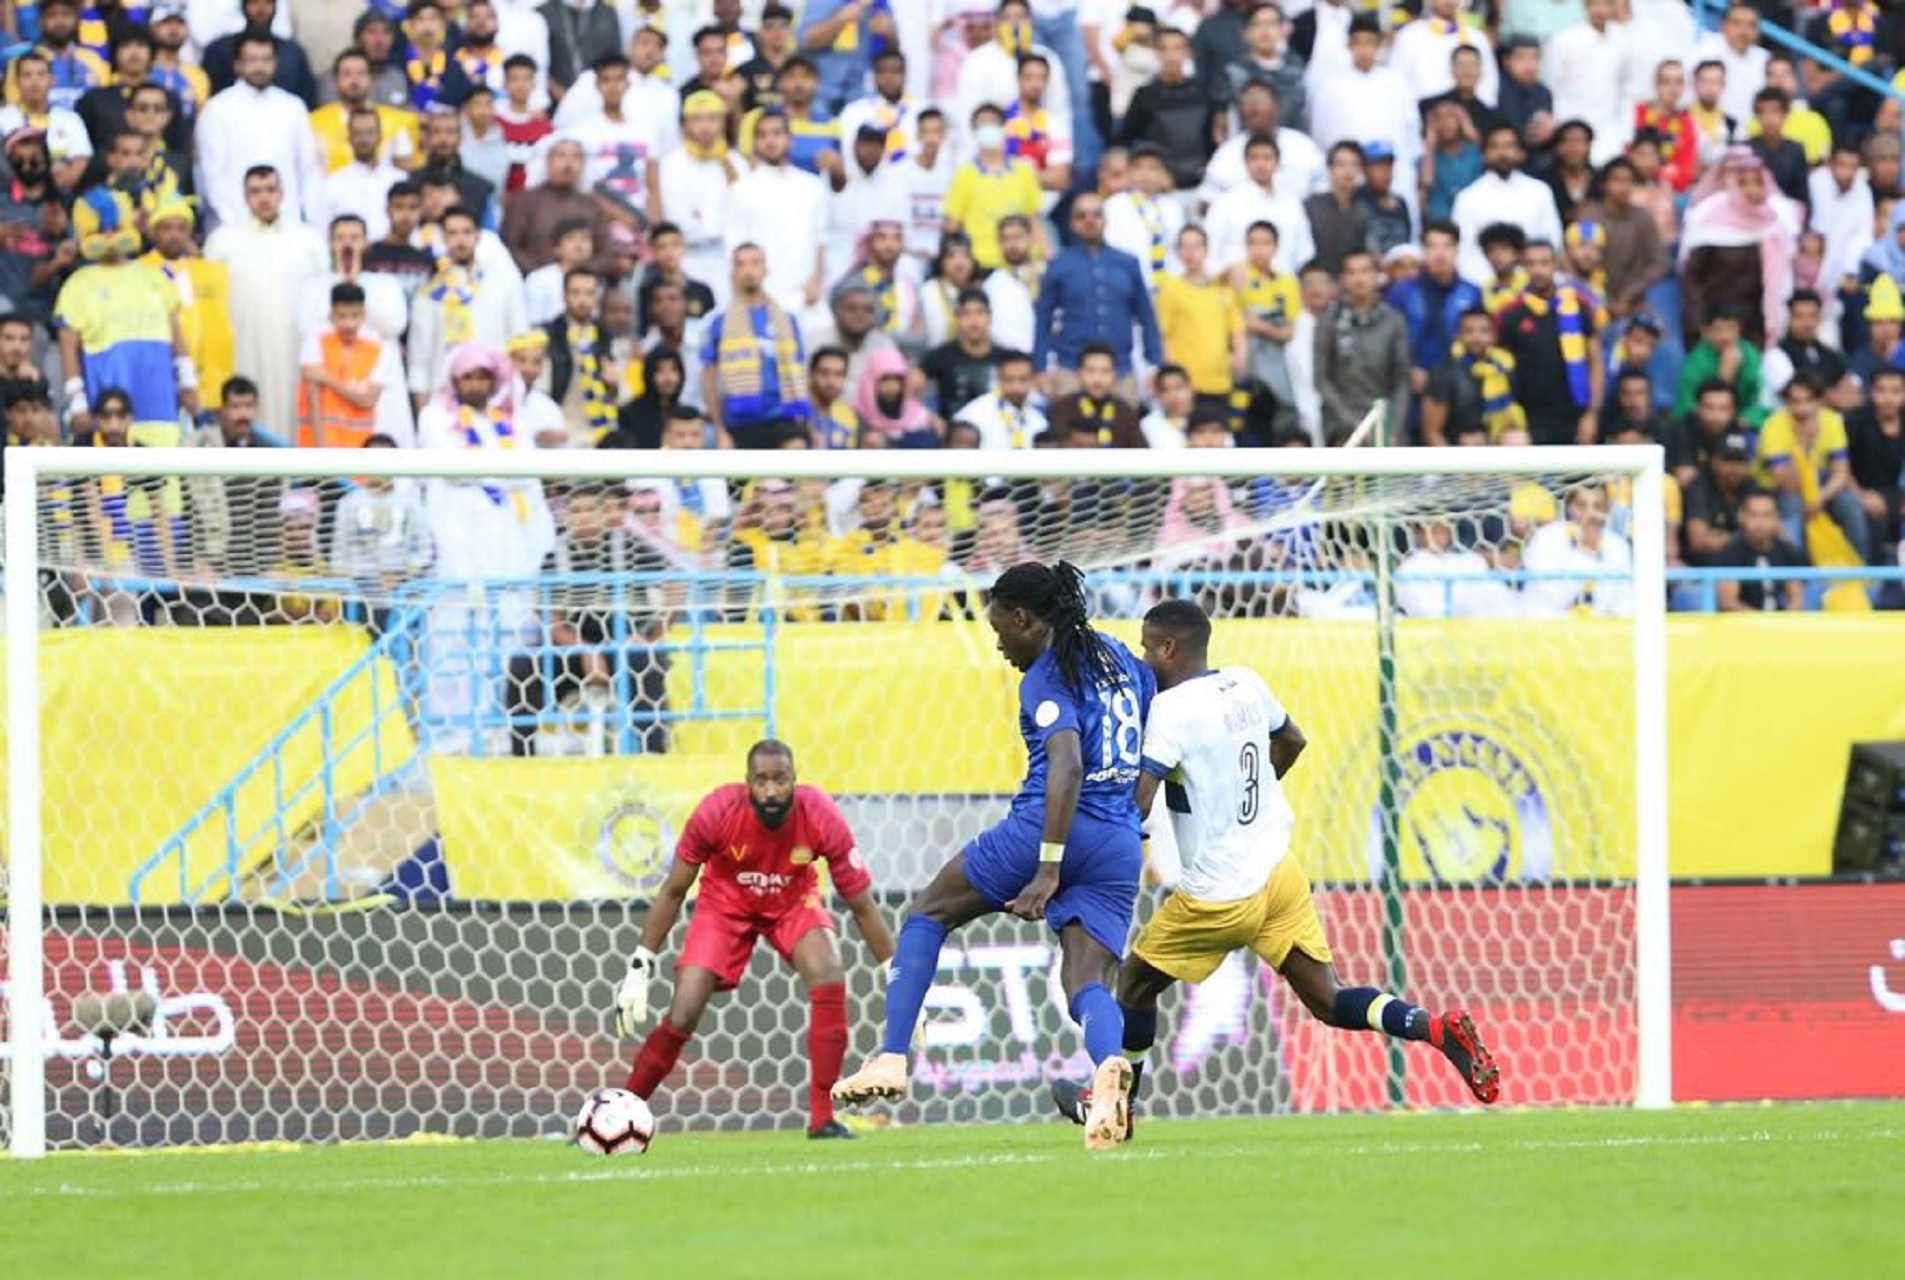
(1093,293)
(1432,303)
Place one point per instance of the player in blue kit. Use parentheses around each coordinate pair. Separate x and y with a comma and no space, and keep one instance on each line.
(1068,852)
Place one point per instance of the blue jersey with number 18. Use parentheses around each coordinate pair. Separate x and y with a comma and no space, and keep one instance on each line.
(1108,716)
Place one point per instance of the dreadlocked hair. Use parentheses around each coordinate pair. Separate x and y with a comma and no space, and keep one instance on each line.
(1056,594)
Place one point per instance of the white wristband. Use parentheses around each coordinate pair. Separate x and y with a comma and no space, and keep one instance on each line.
(76,401)
(186,372)
(1052,852)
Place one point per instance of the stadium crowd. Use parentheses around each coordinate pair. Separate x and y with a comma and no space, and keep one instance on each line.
(943,224)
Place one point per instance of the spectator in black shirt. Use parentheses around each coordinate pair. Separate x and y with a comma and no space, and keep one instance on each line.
(1339,224)
(1570,176)
(958,372)
(1758,545)
(1174,112)
(1559,391)
(1785,159)
(1524,101)
(1465,63)
(1710,513)
(1801,345)
(1715,418)
(1876,438)
(1634,411)
(773,46)
(394,255)
(294,69)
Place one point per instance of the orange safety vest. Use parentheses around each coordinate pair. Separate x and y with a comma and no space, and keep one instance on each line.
(336,423)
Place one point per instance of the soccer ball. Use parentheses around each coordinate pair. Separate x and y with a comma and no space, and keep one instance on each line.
(614,1122)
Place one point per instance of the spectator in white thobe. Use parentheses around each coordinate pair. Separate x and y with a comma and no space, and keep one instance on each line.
(1585,66)
(784,211)
(1502,194)
(1366,102)
(269,256)
(1422,50)
(255,123)
(1736,47)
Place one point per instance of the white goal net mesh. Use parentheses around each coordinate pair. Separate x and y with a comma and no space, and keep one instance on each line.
(352,791)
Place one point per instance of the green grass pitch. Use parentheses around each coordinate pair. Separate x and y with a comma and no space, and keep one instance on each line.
(1699,1192)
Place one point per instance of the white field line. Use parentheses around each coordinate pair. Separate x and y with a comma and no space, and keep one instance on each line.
(634,1169)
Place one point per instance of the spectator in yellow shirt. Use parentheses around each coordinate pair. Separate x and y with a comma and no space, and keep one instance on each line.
(350,74)
(1202,327)
(1804,458)
(881,548)
(992,186)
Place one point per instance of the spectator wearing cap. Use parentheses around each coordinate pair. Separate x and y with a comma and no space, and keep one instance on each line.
(1502,195)
(581,32)
(1712,508)
(1425,50)
(1525,102)
(1175,112)
(290,70)
(755,365)
(888,108)
(1366,101)
(783,210)
(1884,318)
(841,36)
(1265,60)
(36,244)
(1390,221)
(1362,352)
(1641,343)
(1552,335)
(863,200)
(62,132)
(1757,544)
(1338,221)
(1093,294)
(185,80)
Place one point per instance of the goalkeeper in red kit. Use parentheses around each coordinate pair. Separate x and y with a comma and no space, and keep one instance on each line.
(758,841)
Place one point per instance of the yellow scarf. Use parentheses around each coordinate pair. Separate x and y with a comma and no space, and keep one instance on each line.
(598,398)
(1826,544)
(454,291)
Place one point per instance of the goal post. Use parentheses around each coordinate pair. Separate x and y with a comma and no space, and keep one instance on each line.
(1558,839)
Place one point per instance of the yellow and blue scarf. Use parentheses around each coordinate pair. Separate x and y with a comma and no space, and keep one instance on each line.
(1570,318)
(504,432)
(1153,218)
(892,116)
(1105,414)
(886,298)
(1494,369)
(740,360)
(482,66)
(426,79)
(1498,296)
(598,398)
(1855,32)
(1015,38)
(454,291)
(1027,134)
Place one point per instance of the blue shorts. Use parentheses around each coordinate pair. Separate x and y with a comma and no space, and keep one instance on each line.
(1098,883)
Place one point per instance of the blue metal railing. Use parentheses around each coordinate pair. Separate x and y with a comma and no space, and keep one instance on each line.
(1710,12)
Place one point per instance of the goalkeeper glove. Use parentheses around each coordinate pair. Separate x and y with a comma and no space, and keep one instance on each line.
(631,998)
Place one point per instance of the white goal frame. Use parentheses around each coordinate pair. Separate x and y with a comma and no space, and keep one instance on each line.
(25,468)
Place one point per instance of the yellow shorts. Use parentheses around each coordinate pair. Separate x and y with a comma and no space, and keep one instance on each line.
(1188,939)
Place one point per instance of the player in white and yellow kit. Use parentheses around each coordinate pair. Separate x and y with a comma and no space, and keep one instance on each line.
(1220,743)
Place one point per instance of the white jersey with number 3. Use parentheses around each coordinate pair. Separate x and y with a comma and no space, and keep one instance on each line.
(1209,739)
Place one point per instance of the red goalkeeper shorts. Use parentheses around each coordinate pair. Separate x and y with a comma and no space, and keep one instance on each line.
(724,942)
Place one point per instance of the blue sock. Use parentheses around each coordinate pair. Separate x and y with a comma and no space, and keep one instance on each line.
(1365,1008)
(1140,1031)
(1093,1009)
(909,977)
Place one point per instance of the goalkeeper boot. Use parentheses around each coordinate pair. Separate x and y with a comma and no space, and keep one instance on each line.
(831,1129)
(882,1078)
(1454,1034)
(1108,1114)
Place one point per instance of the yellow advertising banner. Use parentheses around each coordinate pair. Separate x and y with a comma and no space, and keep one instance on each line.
(141,728)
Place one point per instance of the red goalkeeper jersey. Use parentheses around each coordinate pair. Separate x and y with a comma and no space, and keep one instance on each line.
(750,870)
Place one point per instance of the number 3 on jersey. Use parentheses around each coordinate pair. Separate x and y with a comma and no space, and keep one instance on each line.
(1249,764)
(1123,729)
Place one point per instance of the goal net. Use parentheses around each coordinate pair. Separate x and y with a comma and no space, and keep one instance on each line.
(338,783)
